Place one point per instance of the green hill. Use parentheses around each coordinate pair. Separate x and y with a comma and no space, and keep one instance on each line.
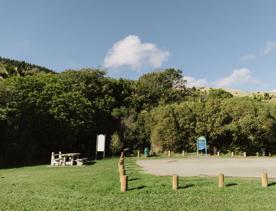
(10,67)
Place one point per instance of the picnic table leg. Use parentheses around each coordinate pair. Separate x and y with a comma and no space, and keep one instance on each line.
(52,159)
(72,161)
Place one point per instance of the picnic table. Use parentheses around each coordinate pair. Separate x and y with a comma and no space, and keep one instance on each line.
(69,158)
(66,159)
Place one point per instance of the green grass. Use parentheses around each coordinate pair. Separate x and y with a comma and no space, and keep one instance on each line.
(97,187)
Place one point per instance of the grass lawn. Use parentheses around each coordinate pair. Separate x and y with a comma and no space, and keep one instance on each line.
(97,187)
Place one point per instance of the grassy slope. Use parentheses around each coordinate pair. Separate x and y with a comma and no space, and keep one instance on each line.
(96,187)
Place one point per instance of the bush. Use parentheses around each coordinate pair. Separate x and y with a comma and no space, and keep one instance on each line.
(115,145)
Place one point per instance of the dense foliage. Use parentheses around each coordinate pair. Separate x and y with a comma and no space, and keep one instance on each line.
(44,112)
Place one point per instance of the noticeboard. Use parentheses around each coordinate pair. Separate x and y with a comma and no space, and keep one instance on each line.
(101,143)
(202,144)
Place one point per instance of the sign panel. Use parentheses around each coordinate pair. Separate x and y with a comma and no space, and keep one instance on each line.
(101,143)
(202,144)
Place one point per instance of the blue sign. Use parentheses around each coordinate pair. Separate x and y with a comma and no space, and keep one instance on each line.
(202,144)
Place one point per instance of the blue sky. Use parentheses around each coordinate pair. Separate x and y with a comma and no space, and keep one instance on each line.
(217,43)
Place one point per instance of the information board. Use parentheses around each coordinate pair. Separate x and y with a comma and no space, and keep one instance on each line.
(202,144)
(101,143)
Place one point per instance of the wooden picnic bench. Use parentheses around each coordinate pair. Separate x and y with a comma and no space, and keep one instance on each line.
(65,159)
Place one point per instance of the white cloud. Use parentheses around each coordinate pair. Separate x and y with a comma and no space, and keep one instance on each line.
(270,46)
(241,76)
(248,57)
(130,52)
(192,82)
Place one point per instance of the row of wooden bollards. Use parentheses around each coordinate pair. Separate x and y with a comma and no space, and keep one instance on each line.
(151,153)
(175,181)
(264,180)
(122,173)
(218,154)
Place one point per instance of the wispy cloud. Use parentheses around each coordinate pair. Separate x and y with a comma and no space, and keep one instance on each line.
(270,46)
(238,77)
(132,53)
(248,57)
(266,50)
(242,76)
(192,82)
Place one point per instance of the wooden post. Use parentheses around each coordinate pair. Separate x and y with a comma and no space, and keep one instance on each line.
(175,182)
(232,154)
(244,154)
(221,181)
(138,153)
(124,182)
(218,153)
(257,154)
(169,153)
(183,153)
(122,171)
(121,161)
(52,158)
(150,153)
(264,180)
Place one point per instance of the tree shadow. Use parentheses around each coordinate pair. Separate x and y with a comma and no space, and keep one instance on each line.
(137,188)
(272,184)
(186,186)
(231,184)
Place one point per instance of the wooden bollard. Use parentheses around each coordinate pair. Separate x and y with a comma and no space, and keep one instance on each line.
(183,153)
(124,182)
(257,154)
(122,171)
(244,154)
(264,180)
(169,153)
(175,182)
(218,154)
(221,181)
(138,154)
(232,154)
(121,161)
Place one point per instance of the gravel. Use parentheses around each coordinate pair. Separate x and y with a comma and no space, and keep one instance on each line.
(232,167)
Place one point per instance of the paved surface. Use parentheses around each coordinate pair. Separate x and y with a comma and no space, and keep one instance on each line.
(233,167)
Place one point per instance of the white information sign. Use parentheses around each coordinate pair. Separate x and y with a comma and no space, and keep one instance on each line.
(101,143)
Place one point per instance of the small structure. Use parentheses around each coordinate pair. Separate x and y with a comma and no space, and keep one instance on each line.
(201,144)
(100,147)
(66,159)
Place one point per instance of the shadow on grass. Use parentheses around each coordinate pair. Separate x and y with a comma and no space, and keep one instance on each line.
(90,163)
(272,184)
(137,188)
(133,179)
(231,184)
(186,186)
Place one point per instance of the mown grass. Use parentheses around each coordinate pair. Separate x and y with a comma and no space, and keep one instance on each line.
(97,187)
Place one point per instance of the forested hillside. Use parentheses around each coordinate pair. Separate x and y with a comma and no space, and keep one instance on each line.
(9,67)
(45,112)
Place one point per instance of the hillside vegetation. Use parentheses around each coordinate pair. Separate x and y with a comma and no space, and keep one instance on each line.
(45,112)
(10,67)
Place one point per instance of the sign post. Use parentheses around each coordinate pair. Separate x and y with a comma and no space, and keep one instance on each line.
(100,145)
(201,144)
